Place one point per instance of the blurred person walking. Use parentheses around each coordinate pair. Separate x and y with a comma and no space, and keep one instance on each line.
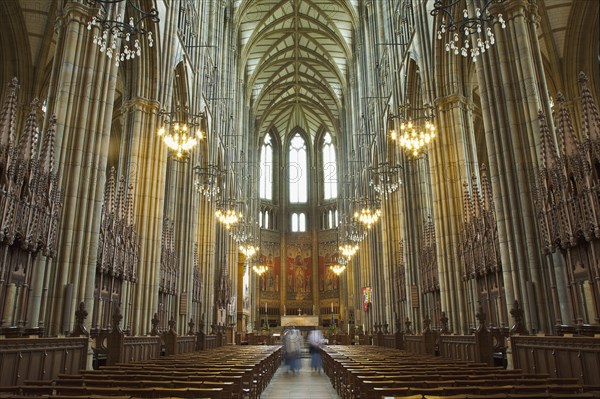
(315,339)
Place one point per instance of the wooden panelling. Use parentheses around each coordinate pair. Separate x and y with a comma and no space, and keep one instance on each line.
(40,358)
(141,348)
(576,357)
(210,342)
(186,344)
(414,343)
(458,347)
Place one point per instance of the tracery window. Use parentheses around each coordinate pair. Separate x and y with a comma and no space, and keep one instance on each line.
(266,169)
(298,171)
(298,222)
(329,169)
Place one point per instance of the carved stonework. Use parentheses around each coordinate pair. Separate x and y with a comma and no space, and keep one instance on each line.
(407,324)
(480,246)
(196,279)
(155,321)
(426,324)
(80,316)
(172,324)
(116,320)
(568,202)
(118,249)
(481,318)
(191,325)
(518,315)
(428,268)
(444,321)
(30,201)
(169,270)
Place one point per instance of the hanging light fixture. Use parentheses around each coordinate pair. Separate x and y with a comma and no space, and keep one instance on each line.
(206,181)
(367,211)
(385,178)
(467,25)
(413,129)
(348,249)
(180,131)
(246,234)
(121,23)
(228,214)
(260,269)
(340,266)
(248,249)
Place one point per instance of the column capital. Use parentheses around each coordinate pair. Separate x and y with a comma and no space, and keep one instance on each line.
(141,104)
(450,101)
(513,8)
(75,11)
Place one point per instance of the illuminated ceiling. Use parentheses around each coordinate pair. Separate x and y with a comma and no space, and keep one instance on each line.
(296,55)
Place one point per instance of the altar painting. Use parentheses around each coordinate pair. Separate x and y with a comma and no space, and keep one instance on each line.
(269,281)
(329,282)
(299,275)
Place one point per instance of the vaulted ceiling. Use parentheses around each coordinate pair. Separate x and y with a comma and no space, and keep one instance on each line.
(296,55)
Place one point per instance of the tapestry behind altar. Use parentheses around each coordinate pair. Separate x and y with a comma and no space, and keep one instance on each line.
(329,283)
(270,280)
(299,272)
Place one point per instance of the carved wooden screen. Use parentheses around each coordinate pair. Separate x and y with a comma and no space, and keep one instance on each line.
(568,204)
(480,257)
(30,206)
(116,267)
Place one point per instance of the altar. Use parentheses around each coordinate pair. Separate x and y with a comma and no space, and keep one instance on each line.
(300,321)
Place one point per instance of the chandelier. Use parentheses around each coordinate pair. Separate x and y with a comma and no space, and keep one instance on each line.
(260,269)
(206,181)
(348,249)
(385,178)
(248,249)
(340,266)
(180,131)
(246,234)
(368,216)
(351,231)
(338,269)
(467,25)
(243,231)
(122,25)
(415,133)
(228,217)
(228,213)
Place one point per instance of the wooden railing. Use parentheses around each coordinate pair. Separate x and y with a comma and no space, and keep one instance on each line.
(140,348)
(24,359)
(210,342)
(458,347)
(414,343)
(186,343)
(577,357)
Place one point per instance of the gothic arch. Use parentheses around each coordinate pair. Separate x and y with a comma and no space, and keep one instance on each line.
(15,49)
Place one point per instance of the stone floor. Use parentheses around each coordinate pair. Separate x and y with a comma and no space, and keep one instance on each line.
(306,384)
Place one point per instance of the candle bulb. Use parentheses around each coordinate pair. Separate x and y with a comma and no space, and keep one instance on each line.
(331,307)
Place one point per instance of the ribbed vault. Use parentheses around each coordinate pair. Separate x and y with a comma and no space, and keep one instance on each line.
(295,55)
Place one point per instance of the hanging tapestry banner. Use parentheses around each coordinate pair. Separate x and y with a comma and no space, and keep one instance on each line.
(367,294)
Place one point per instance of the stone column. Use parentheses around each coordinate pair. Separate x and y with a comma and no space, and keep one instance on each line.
(81,94)
(148,163)
(513,90)
(450,162)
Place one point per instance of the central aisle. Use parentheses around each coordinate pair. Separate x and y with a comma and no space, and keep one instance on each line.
(307,384)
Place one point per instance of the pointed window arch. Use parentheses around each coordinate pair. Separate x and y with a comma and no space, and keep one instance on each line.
(266,168)
(298,170)
(298,222)
(329,168)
